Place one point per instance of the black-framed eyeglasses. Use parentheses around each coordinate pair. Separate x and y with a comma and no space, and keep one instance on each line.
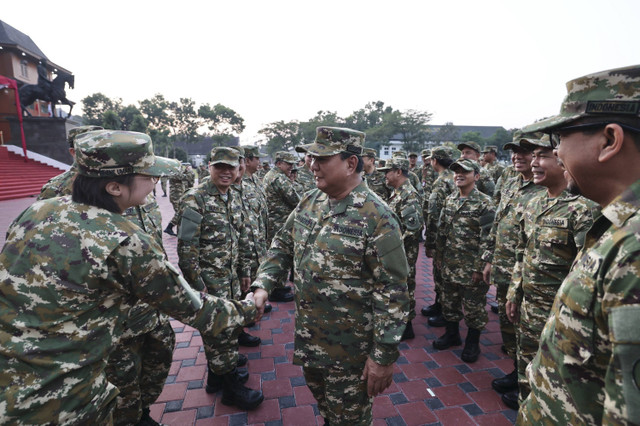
(555,135)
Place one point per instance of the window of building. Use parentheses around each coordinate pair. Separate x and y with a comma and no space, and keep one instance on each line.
(24,68)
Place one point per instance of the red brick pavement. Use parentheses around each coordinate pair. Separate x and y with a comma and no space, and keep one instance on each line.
(430,387)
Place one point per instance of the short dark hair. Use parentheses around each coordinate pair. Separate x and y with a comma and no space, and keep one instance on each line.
(360,166)
(91,191)
(444,162)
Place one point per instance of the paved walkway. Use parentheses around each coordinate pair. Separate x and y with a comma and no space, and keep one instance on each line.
(430,387)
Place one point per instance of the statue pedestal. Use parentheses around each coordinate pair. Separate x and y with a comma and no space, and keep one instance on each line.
(45,135)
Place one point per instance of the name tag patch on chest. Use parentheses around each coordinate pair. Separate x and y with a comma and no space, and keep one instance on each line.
(555,222)
(346,230)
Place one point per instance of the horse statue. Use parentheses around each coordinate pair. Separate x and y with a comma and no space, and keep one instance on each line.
(48,91)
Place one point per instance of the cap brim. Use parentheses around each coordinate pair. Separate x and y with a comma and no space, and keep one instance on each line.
(384,169)
(227,162)
(320,150)
(550,123)
(532,144)
(302,148)
(162,167)
(456,166)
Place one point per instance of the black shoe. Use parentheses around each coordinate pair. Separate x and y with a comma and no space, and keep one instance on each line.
(451,337)
(408,332)
(169,230)
(146,419)
(245,339)
(503,348)
(432,310)
(164,195)
(236,393)
(280,295)
(510,399)
(437,321)
(215,381)
(242,360)
(494,307)
(267,308)
(507,383)
(471,350)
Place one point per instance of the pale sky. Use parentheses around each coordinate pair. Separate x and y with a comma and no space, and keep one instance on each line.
(492,63)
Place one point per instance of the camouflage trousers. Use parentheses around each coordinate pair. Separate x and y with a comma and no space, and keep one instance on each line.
(176,207)
(163,185)
(472,298)
(138,367)
(341,395)
(533,317)
(501,278)
(412,249)
(222,351)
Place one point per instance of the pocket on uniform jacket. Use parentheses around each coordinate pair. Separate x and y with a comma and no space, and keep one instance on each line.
(625,337)
(554,247)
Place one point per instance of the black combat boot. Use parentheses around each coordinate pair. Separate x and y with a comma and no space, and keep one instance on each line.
(437,321)
(169,230)
(451,337)
(507,383)
(281,295)
(510,399)
(146,419)
(432,310)
(234,392)
(215,382)
(245,339)
(242,360)
(471,349)
(408,332)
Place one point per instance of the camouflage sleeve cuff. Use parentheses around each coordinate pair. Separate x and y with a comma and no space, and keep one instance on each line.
(384,353)
(259,284)
(487,256)
(248,308)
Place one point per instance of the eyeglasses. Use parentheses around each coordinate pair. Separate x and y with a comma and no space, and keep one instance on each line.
(556,135)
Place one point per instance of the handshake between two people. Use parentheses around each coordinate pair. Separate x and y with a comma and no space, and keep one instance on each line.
(259,296)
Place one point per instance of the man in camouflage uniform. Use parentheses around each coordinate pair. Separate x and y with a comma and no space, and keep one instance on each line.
(587,368)
(374,178)
(305,177)
(462,237)
(178,185)
(492,165)
(345,245)
(552,231)
(282,199)
(441,159)
(212,248)
(413,178)
(62,184)
(471,151)
(70,318)
(413,163)
(501,256)
(427,173)
(263,170)
(203,173)
(255,199)
(406,204)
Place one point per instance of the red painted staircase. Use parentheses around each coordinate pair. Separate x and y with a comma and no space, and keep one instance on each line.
(20,179)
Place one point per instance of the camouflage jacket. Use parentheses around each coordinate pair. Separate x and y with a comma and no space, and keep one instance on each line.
(69,273)
(59,185)
(417,184)
(464,234)
(442,187)
(552,231)
(255,219)
(306,179)
(350,276)
(586,369)
(508,173)
(282,198)
(406,204)
(495,170)
(212,240)
(178,185)
(429,176)
(486,184)
(505,232)
(378,184)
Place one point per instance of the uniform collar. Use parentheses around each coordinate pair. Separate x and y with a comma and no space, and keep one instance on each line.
(624,205)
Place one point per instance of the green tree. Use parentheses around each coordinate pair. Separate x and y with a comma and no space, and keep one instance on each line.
(138,124)
(94,106)
(281,136)
(127,115)
(414,130)
(472,137)
(221,120)
(157,112)
(111,120)
(322,118)
(447,132)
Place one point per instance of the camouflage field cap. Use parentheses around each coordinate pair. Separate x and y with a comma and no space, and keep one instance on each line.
(253,151)
(76,131)
(531,144)
(396,163)
(108,153)
(465,165)
(302,148)
(240,150)
(413,154)
(490,148)
(334,140)
(425,153)
(399,154)
(471,144)
(225,155)
(606,93)
(441,152)
(285,156)
(369,152)
(519,137)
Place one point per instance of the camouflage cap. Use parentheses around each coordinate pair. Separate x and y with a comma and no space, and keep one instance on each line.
(413,154)
(490,148)
(470,144)
(369,152)
(396,163)
(285,156)
(425,153)
(108,153)
(76,131)
(253,151)
(225,155)
(302,148)
(613,92)
(519,137)
(399,154)
(465,165)
(442,153)
(240,150)
(334,140)
(531,144)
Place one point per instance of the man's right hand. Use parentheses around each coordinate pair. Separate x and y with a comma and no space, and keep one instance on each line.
(486,273)
(260,296)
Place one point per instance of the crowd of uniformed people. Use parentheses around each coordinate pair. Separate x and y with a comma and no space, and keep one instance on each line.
(86,288)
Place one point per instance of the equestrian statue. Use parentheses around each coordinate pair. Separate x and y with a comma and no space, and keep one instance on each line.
(47,90)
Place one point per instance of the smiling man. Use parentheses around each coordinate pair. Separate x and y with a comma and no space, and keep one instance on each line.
(587,369)
(350,268)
